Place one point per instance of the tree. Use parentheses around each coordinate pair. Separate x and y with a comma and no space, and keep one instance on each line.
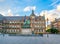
(52,30)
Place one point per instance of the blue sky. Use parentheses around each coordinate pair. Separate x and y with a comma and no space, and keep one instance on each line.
(24,7)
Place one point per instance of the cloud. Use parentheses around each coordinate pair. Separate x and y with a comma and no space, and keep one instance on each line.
(36,14)
(28,8)
(52,14)
(54,2)
(58,7)
(17,15)
(2,0)
(10,13)
(3,13)
(6,13)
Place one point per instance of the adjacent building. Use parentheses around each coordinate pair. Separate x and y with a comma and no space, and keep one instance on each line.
(23,24)
(56,24)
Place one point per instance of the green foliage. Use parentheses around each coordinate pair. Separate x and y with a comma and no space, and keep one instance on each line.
(52,30)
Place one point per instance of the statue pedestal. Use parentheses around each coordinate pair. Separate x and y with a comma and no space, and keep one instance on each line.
(26,31)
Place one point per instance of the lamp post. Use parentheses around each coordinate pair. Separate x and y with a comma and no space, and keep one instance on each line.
(47,26)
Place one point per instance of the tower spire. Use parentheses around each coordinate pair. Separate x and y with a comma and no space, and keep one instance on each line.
(44,14)
(32,14)
(32,11)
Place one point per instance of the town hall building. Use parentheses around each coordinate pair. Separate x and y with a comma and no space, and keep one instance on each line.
(23,24)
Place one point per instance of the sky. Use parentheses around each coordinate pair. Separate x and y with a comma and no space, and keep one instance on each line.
(51,8)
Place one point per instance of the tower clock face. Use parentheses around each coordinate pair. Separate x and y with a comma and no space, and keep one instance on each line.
(32,16)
